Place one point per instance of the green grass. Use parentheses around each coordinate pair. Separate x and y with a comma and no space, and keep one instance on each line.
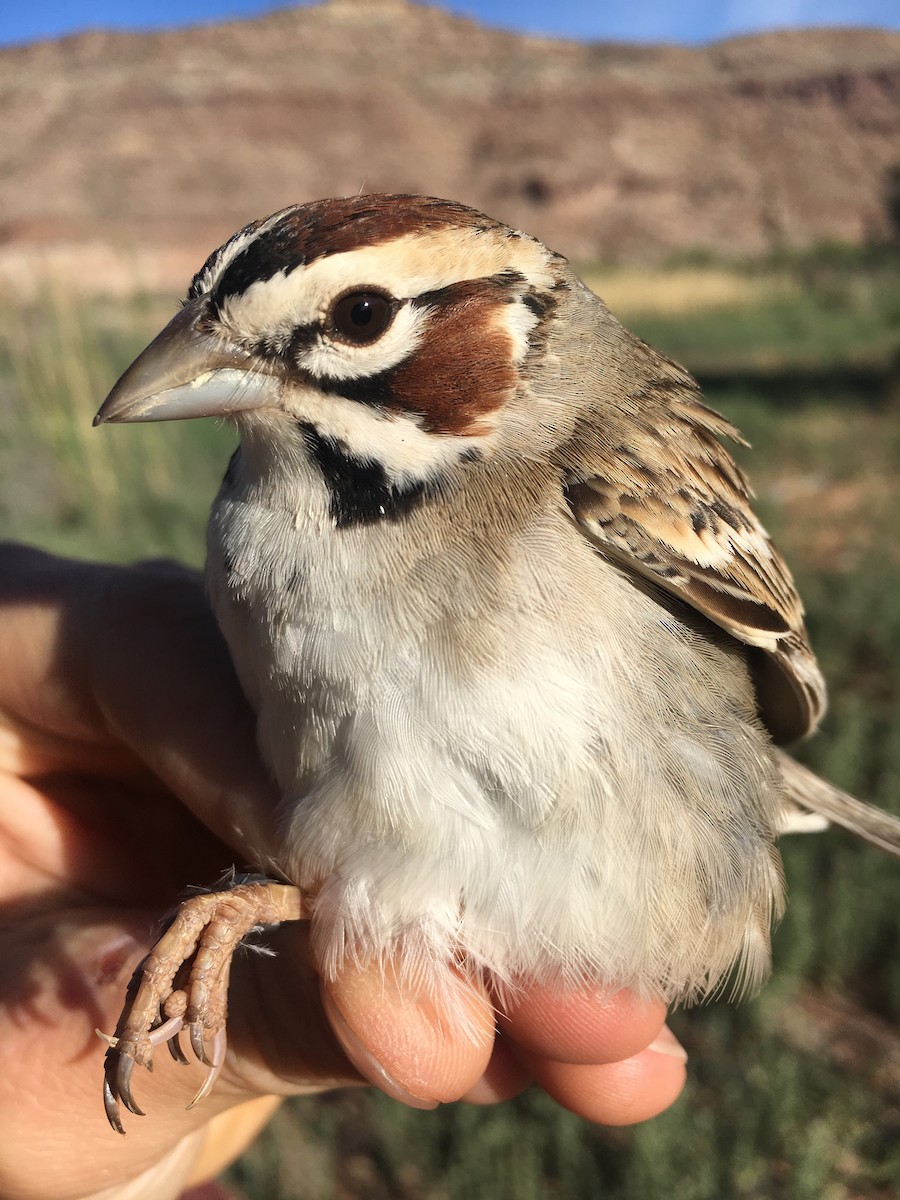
(818,331)
(826,308)
(105,491)
(792,1095)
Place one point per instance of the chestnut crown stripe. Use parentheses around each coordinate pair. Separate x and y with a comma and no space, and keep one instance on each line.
(303,233)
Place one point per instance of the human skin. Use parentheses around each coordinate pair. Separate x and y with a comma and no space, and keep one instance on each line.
(128,770)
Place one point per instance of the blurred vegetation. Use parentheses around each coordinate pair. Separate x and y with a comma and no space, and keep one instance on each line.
(85,491)
(833,307)
(793,1095)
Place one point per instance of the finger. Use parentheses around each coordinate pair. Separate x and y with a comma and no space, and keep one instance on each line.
(505,1076)
(48,846)
(83,839)
(619,1093)
(590,1025)
(228,1136)
(401,1040)
(45,700)
(127,666)
(65,974)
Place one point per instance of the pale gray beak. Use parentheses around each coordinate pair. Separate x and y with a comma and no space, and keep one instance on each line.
(188,372)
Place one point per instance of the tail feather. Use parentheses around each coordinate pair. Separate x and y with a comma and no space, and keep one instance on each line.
(813,794)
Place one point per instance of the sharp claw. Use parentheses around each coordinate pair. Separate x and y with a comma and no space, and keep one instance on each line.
(219,1046)
(199,1049)
(123,1081)
(211,1076)
(220,1041)
(188,972)
(174,1044)
(162,1033)
(111,1105)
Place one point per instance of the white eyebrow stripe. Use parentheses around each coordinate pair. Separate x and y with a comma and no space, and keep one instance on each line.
(236,246)
(518,321)
(405,267)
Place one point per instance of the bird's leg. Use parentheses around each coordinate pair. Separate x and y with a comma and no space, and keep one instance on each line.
(199,942)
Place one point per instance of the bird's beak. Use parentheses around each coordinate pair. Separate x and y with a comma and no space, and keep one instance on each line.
(188,372)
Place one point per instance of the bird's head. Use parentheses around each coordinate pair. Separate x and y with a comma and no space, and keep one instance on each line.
(394,330)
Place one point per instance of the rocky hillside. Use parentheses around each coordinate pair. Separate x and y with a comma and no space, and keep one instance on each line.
(145,141)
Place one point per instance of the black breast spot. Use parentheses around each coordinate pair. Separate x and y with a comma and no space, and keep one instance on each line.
(231,473)
(360,490)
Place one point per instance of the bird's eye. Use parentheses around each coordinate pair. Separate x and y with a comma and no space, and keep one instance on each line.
(361,317)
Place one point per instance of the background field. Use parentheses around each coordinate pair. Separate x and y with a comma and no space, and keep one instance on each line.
(795,1094)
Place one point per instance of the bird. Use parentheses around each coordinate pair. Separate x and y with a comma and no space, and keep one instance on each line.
(522,655)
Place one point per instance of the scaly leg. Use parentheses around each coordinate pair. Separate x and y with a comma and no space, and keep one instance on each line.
(203,936)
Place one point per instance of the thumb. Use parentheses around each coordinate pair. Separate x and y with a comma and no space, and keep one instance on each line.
(403,1041)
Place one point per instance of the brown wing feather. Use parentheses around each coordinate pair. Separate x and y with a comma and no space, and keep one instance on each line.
(667,501)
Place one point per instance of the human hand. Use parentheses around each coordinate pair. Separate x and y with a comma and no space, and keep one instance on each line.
(128,770)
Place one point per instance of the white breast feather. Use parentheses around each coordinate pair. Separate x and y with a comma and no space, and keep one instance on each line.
(500,795)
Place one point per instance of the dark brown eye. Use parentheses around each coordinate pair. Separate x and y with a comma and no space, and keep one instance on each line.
(361,317)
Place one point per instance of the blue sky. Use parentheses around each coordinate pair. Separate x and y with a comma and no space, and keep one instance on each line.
(648,20)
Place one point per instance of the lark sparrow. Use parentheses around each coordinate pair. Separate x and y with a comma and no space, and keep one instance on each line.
(519,648)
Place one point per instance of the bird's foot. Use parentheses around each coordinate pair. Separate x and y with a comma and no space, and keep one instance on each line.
(195,952)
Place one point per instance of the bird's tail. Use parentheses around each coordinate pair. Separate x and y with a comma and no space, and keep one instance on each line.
(813,795)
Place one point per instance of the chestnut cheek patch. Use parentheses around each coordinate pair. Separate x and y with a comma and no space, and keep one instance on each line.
(466,366)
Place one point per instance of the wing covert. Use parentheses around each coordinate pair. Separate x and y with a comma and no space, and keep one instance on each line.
(670,504)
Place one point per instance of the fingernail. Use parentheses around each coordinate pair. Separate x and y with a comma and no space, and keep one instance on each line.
(363,1059)
(667,1043)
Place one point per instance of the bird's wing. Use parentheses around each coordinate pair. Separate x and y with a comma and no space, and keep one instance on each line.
(661,497)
